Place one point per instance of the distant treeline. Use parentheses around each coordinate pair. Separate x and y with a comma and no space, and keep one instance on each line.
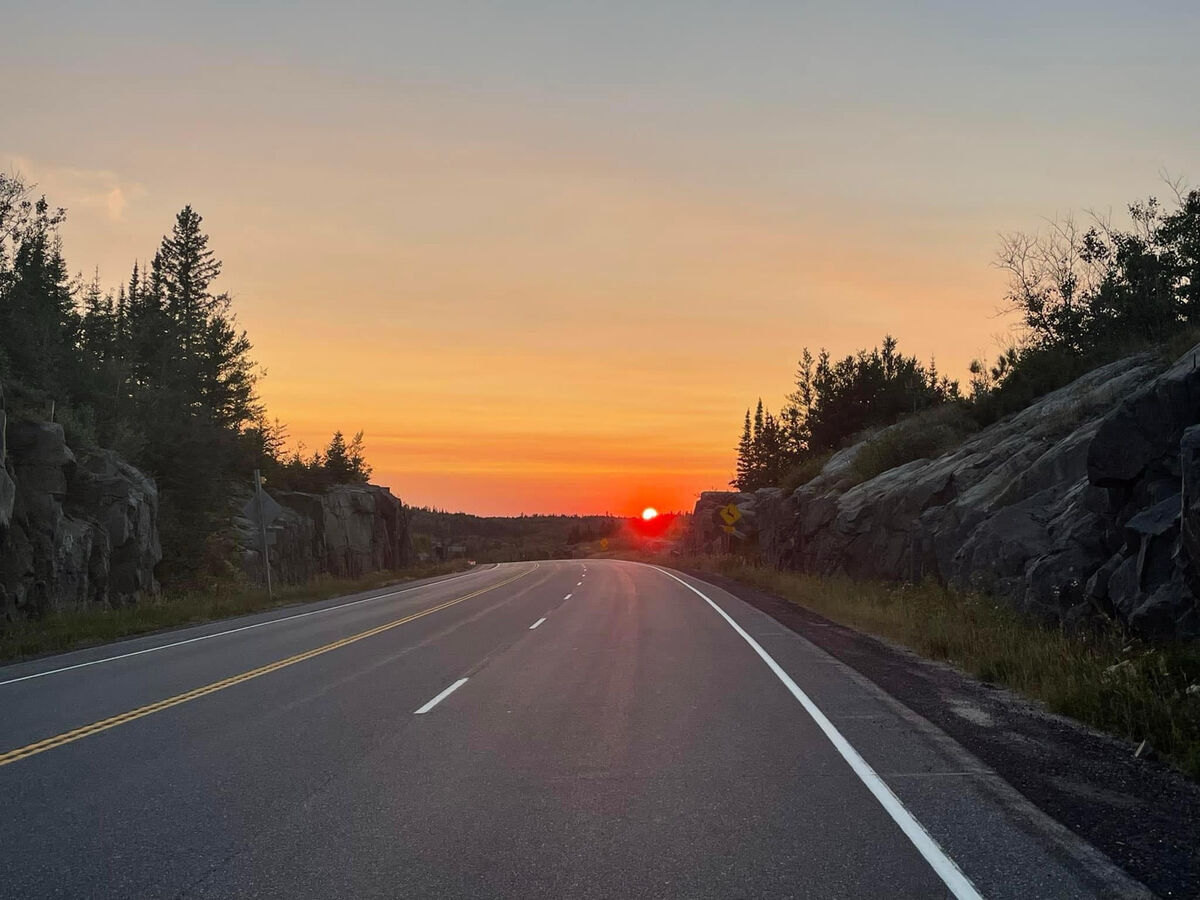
(158,370)
(1085,296)
(507,538)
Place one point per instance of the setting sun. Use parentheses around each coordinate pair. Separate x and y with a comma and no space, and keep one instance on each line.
(649,513)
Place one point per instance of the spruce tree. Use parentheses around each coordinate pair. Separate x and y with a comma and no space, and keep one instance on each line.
(745,451)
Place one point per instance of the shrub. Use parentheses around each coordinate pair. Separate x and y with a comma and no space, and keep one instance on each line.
(804,472)
(922,436)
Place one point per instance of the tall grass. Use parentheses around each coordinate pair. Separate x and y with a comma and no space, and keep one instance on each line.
(72,629)
(1126,687)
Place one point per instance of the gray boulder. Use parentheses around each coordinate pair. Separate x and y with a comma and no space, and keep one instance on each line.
(365,530)
(81,529)
(124,502)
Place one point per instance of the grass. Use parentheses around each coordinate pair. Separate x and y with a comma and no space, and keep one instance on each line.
(1181,343)
(1126,687)
(73,629)
(803,473)
(924,435)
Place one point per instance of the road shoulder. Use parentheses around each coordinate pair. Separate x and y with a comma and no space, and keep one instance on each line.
(1142,814)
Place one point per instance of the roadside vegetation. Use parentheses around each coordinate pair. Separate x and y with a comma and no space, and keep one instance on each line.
(157,369)
(1082,295)
(921,436)
(1106,679)
(74,629)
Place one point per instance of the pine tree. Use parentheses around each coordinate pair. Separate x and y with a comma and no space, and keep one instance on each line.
(38,323)
(356,457)
(757,457)
(188,270)
(745,451)
(337,460)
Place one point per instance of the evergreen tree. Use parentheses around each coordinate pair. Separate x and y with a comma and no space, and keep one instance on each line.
(188,269)
(346,463)
(745,450)
(38,322)
(160,371)
(337,461)
(356,456)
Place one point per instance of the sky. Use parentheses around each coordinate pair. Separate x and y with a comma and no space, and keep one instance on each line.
(546,254)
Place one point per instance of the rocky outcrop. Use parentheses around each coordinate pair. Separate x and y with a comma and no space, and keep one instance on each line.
(1085,503)
(75,529)
(348,531)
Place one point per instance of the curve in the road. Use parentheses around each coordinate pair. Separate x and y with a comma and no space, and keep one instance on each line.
(952,876)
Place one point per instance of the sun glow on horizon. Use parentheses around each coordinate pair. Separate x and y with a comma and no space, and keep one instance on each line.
(649,513)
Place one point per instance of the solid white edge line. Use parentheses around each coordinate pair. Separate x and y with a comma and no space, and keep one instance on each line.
(440,697)
(215,634)
(537,623)
(952,876)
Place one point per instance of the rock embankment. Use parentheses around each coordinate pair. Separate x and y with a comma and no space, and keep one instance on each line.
(79,527)
(348,531)
(76,528)
(1086,503)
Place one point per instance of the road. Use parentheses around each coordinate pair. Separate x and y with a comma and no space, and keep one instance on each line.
(557,729)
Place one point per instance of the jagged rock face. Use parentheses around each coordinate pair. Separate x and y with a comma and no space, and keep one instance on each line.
(348,531)
(1086,502)
(124,501)
(366,530)
(78,531)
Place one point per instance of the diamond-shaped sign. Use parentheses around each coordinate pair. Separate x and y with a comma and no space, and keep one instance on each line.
(270,509)
(730,514)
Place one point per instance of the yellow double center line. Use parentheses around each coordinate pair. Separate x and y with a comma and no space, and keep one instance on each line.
(68,737)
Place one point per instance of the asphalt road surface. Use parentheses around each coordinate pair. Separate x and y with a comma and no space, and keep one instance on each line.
(557,729)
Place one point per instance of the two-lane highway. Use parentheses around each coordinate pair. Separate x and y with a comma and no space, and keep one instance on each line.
(569,728)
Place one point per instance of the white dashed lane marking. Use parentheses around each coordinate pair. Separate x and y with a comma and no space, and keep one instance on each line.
(440,697)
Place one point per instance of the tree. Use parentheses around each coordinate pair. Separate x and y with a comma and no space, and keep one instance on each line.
(38,322)
(188,268)
(360,472)
(346,463)
(160,370)
(834,400)
(744,477)
(1090,293)
(192,386)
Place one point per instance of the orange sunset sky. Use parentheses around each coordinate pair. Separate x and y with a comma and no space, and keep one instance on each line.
(545,255)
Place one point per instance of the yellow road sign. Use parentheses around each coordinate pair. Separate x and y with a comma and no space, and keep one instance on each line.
(603,543)
(730,515)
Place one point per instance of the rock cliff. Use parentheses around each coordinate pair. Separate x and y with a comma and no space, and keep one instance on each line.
(347,531)
(80,527)
(76,529)
(1086,503)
